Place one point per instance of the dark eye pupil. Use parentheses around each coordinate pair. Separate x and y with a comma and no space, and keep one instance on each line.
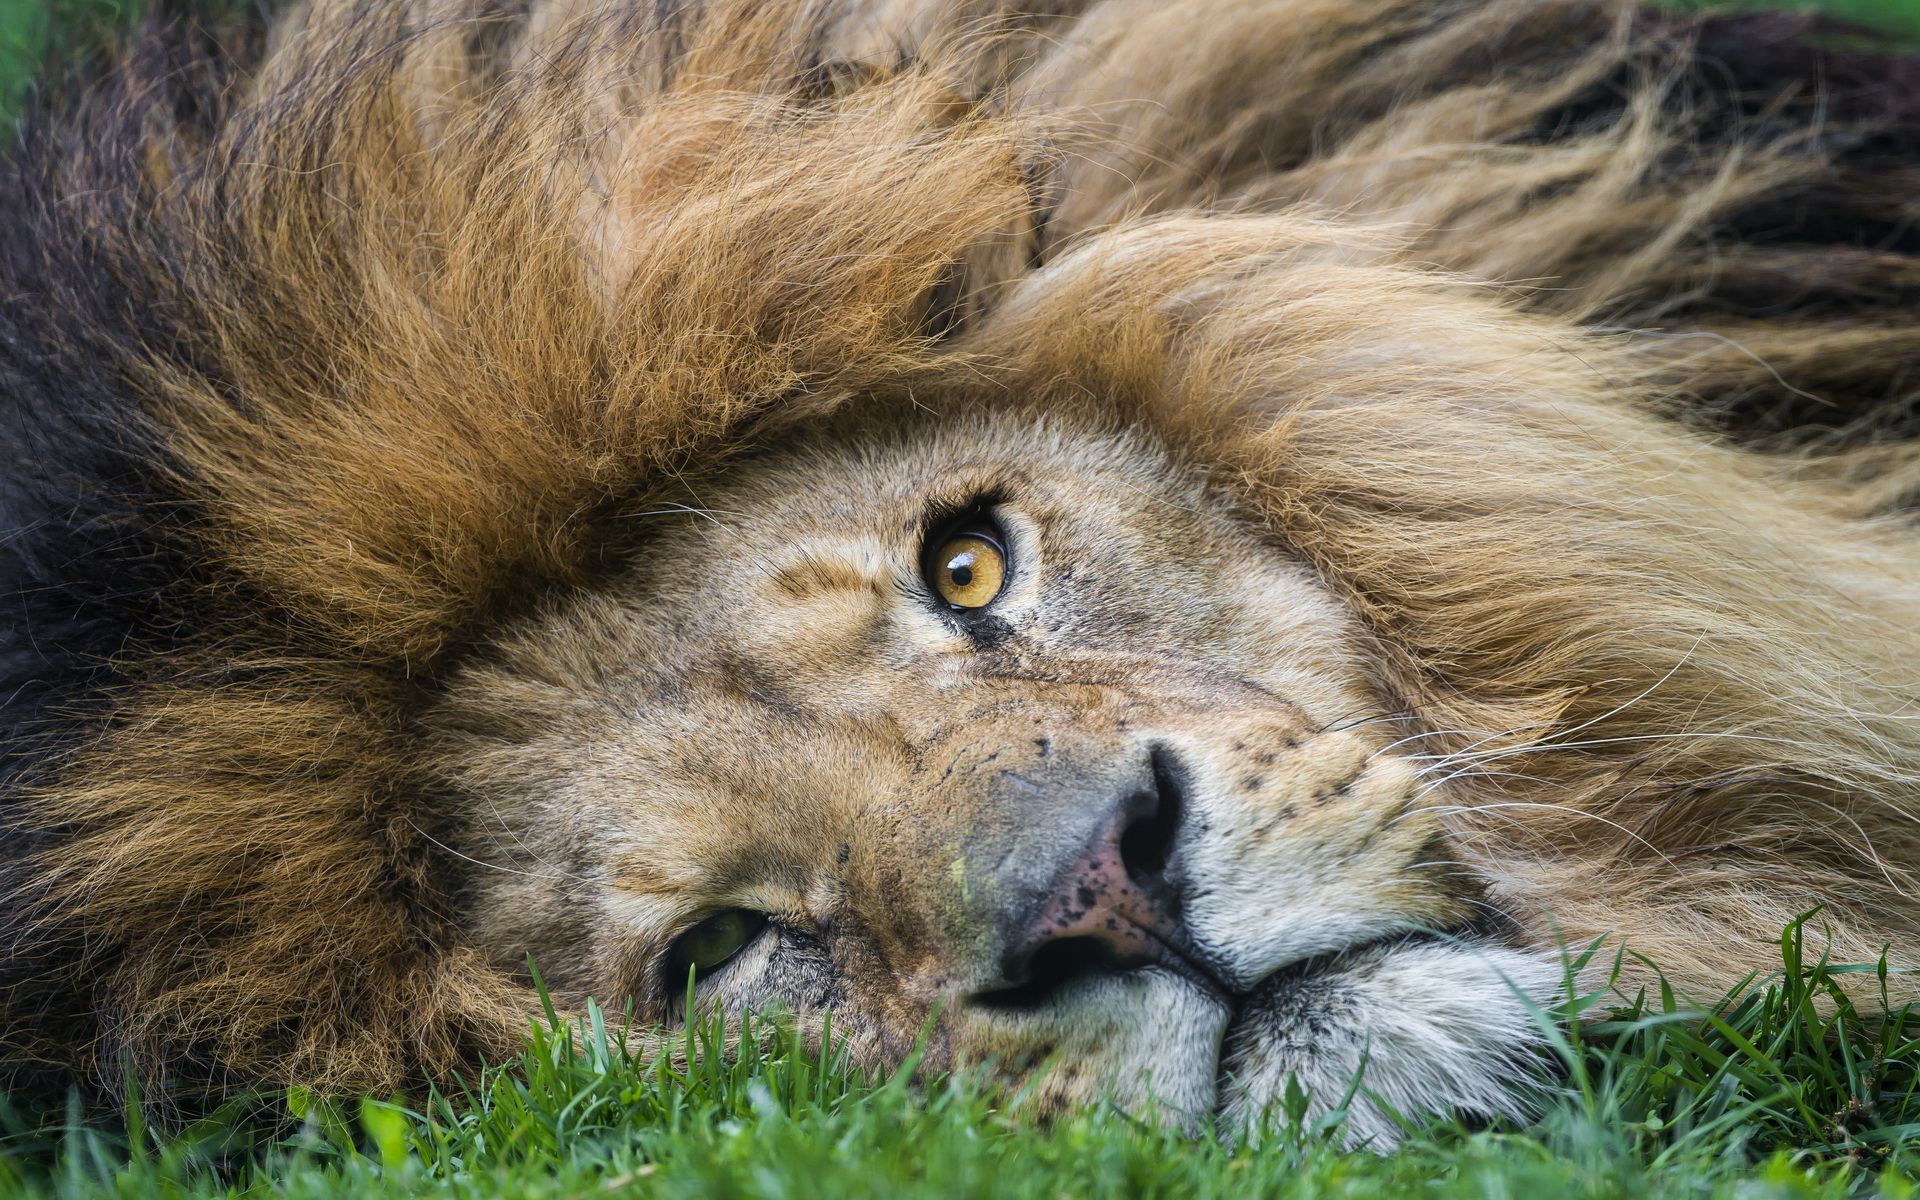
(962,576)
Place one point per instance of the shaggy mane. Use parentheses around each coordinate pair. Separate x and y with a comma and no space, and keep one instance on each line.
(328,352)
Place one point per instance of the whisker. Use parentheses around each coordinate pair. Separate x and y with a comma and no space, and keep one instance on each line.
(1546,747)
(1363,722)
(478,863)
(1457,809)
(1414,737)
(1591,721)
(1438,783)
(707,513)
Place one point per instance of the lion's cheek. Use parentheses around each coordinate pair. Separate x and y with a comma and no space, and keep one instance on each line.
(1329,854)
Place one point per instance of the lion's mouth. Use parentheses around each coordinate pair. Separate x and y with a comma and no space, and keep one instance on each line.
(1416,1021)
(1295,972)
(1057,965)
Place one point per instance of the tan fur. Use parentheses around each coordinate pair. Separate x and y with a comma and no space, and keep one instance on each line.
(458,313)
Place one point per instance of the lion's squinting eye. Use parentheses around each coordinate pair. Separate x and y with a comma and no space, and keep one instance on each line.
(969,569)
(713,941)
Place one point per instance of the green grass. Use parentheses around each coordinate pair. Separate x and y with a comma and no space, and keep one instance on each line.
(1790,1091)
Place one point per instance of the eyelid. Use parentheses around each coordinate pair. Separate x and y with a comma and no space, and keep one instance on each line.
(977,515)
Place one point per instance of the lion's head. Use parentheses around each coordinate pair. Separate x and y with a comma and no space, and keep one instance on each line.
(1006,715)
(935,520)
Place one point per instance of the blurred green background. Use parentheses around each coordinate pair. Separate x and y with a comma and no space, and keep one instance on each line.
(32,30)
(28,29)
(1898,19)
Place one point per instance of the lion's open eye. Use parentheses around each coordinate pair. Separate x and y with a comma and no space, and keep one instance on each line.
(715,940)
(968,570)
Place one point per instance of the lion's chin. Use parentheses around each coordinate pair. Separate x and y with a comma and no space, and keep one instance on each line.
(1422,1025)
(1427,1025)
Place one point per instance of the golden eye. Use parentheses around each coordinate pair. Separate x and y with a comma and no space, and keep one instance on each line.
(715,940)
(969,571)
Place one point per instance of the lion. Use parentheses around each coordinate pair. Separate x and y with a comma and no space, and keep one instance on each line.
(1177,551)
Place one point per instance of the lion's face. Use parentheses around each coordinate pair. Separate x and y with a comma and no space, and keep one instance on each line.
(1004,717)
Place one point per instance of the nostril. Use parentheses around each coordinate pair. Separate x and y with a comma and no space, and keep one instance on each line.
(1112,908)
(1147,842)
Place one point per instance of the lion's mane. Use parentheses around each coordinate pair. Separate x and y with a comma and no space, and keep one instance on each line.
(325,351)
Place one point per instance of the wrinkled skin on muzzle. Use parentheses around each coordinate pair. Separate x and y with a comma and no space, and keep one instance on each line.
(1142,819)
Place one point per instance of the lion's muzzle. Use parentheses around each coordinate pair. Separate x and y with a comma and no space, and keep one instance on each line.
(1181,891)
(1206,831)
(1112,907)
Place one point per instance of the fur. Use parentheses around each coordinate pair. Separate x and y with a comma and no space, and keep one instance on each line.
(331,360)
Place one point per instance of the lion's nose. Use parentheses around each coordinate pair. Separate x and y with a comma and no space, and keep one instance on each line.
(1111,908)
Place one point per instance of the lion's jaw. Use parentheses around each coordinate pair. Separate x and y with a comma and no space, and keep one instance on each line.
(1146,819)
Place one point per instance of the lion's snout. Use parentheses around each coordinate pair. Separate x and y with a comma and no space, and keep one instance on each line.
(1132,868)
(1112,906)
(1218,845)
